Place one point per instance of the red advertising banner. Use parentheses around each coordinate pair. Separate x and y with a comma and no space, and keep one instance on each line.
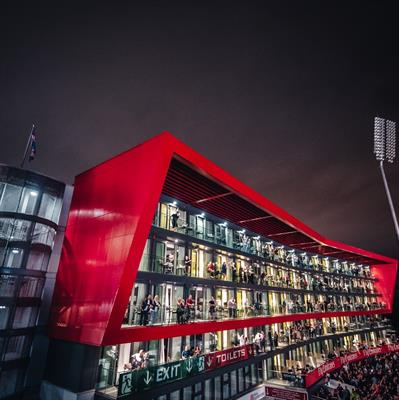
(312,377)
(226,357)
(281,393)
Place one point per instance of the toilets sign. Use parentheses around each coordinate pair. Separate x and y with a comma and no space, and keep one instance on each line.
(226,357)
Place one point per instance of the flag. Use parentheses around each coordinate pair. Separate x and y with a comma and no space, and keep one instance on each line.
(32,153)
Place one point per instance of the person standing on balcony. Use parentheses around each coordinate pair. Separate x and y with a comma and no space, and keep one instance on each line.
(232,307)
(212,308)
(180,310)
(156,305)
(175,218)
(234,271)
(275,339)
(187,265)
(190,307)
(270,337)
(146,306)
(223,270)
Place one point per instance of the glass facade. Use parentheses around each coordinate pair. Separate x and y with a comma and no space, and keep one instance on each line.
(243,277)
(197,268)
(299,344)
(30,206)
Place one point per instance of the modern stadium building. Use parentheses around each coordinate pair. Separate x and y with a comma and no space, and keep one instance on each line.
(177,281)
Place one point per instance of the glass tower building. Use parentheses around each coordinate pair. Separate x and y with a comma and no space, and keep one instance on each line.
(33,209)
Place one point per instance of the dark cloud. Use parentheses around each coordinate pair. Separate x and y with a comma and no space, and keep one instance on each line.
(283,96)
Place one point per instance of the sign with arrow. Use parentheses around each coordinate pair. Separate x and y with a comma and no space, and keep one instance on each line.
(226,357)
(143,379)
(193,365)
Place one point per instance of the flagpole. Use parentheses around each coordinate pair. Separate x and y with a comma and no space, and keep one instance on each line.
(27,145)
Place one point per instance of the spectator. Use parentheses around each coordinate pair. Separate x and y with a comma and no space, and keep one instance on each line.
(187,265)
(180,310)
(223,270)
(232,307)
(212,308)
(175,218)
(156,305)
(146,307)
(186,353)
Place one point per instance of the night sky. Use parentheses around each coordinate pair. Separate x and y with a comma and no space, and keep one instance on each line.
(281,95)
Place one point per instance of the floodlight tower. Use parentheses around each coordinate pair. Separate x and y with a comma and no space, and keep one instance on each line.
(385,150)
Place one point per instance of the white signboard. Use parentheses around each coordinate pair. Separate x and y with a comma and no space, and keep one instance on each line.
(257,394)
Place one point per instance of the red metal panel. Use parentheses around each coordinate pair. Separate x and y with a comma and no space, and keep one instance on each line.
(109,222)
(386,275)
(143,333)
(110,219)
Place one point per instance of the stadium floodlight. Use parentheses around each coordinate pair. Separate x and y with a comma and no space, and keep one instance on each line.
(385,150)
(390,140)
(379,138)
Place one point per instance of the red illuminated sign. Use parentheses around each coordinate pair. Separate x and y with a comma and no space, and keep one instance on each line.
(226,357)
(280,393)
(330,366)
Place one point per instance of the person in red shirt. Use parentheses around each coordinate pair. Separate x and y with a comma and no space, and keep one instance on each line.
(190,306)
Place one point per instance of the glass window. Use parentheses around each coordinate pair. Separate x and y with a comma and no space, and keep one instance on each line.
(11,229)
(43,234)
(207,390)
(24,317)
(247,373)
(145,259)
(10,198)
(254,374)
(233,383)
(2,254)
(13,257)
(187,393)
(8,382)
(16,347)
(226,387)
(28,200)
(7,285)
(198,388)
(4,311)
(50,207)
(240,380)
(20,230)
(37,260)
(6,228)
(218,389)
(31,287)
(175,395)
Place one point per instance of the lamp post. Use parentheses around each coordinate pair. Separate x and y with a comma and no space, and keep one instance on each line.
(385,150)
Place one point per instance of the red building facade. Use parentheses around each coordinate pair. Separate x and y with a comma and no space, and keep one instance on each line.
(111,221)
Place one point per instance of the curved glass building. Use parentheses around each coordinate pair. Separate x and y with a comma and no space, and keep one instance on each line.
(30,210)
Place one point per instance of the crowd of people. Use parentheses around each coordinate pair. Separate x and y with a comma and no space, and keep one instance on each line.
(139,360)
(257,274)
(366,376)
(149,310)
(375,378)
(187,310)
(271,251)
